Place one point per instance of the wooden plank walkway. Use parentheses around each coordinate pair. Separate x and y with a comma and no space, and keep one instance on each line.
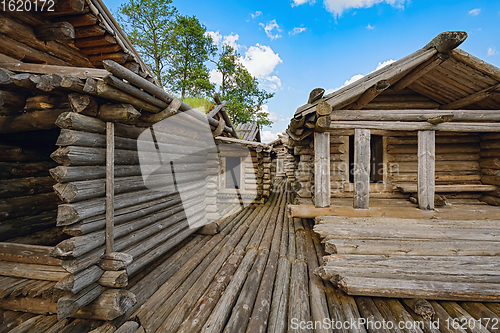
(433,259)
(257,275)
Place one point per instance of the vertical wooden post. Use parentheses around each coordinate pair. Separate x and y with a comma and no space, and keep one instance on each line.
(426,168)
(322,169)
(361,168)
(110,186)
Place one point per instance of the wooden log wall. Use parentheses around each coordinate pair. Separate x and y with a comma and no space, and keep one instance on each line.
(27,202)
(457,161)
(489,164)
(44,37)
(148,222)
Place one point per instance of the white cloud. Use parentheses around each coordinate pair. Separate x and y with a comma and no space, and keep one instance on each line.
(268,136)
(356,77)
(260,60)
(337,7)
(475,11)
(370,27)
(257,14)
(383,64)
(215,77)
(218,39)
(271,83)
(296,31)
(273,116)
(269,27)
(301,2)
(216,36)
(492,51)
(231,40)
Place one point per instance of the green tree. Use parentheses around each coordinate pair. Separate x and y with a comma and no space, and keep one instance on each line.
(241,90)
(148,25)
(190,50)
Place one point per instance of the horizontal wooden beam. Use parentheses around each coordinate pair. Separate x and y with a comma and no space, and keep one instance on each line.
(28,254)
(50,69)
(416,126)
(456,213)
(412,188)
(415,115)
(473,98)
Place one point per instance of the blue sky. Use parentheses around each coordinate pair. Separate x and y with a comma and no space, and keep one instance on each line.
(294,46)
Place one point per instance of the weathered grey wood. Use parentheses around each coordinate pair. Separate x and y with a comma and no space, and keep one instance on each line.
(115,261)
(471,99)
(368,310)
(412,247)
(402,316)
(426,169)
(424,289)
(69,305)
(361,168)
(369,95)
(414,115)
(76,282)
(322,169)
(170,110)
(31,121)
(80,122)
(447,41)
(134,91)
(111,93)
(110,187)
(84,104)
(114,279)
(416,126)
(55,31)
(482,313)
(110,304)
(128,327)
(123,113)
(420,71)
(421,307)
(299,293)
(468,322)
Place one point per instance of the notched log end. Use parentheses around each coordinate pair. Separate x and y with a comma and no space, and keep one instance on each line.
(315,95)
(445,42)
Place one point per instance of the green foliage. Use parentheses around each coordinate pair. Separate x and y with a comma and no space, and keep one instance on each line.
(148,26)
(199,103)
(241,90)
(190,49)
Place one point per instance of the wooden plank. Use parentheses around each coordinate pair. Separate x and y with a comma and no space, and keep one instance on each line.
(412,188)
(414,115)
(28,254)
(110,186)
(426,169)
(422,289)
(32,271)
(51,69)
(322,169)
(361,168)
(416,126)
(457,213)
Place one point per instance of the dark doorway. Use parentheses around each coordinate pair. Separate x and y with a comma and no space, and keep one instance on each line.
(233,172)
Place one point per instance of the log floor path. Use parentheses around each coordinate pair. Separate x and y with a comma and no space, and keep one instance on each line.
(258,275)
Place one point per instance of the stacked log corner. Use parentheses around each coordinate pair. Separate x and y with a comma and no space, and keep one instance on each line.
(148,222)
(489,164)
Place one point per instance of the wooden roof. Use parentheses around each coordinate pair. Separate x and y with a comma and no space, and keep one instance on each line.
(438,76)
(92,35)
(248,132)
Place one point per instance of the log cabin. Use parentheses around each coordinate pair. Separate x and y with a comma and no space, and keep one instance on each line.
(400,171)
(88,242)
